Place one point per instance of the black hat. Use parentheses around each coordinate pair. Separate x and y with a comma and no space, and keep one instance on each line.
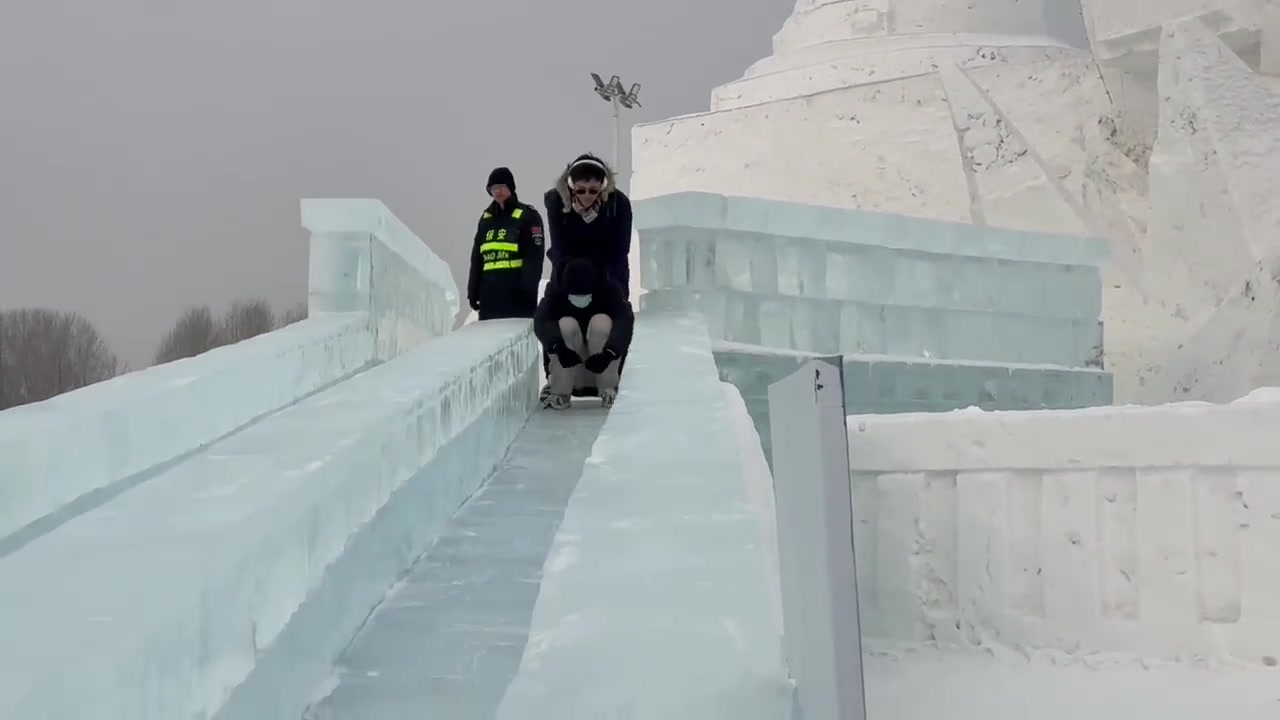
(501,176)
(580,277)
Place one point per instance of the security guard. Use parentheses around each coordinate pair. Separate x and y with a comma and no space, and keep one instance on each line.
(506,260)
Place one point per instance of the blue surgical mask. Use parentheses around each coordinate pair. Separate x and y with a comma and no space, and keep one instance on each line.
(580,301)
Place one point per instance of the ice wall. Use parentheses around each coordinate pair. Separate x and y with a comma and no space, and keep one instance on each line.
(810,278)
(1146,530)
(655,598)
(363,259)
(56,451)
(227,585)
(376,291)
(929,315)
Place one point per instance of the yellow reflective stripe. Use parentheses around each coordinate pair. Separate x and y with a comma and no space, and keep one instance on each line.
(486,215)
(504,265)
(517,213)
(499,247)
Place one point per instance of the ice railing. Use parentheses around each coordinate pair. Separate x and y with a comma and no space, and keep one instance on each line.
(376,291)
(832,280)
(1153,530)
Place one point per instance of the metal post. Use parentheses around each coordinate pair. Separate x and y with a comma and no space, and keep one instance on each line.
(618,98)
(616,158)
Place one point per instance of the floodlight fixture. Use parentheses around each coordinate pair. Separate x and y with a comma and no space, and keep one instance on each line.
(619,97)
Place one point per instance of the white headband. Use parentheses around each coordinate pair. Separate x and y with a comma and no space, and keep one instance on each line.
(589,161)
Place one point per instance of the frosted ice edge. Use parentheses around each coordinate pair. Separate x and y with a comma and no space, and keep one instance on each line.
(241,536)
(859,227)
(58,450)
(654,601)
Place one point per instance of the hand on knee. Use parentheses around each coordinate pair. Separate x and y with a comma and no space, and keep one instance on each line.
(567,357)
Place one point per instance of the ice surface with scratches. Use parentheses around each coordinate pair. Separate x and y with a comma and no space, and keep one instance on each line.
(655,598)
(1144,530)
(56,451)
(229,583)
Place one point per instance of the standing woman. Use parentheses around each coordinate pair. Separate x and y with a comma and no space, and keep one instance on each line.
(589,217)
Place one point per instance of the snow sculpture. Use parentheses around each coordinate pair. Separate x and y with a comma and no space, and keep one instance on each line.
(980,113)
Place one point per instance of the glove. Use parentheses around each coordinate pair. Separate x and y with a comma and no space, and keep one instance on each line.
(474,303)
(599,362)
(567,357)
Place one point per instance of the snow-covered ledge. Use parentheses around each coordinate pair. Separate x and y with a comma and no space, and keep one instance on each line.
(1152,530)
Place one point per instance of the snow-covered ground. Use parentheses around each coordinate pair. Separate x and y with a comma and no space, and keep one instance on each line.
(989,683)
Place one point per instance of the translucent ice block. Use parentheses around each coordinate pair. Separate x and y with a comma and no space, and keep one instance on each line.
(887,385)
(860,227)
(655,601)
(56,451)
(364,259)
(800,250)
(253,563)
(827,326)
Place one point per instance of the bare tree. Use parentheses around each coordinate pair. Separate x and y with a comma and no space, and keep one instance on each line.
(5,363)
(194,333)
(245,320)
(197,331)
(297,313)
(44,353)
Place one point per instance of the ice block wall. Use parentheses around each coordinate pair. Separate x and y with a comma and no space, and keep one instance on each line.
(1125,529)
(363,259)
(376,291)
(226,586)
(930,315)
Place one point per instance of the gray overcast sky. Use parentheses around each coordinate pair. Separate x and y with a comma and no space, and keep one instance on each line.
(152,152)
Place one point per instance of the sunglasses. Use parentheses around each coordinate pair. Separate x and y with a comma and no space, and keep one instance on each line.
(586,191)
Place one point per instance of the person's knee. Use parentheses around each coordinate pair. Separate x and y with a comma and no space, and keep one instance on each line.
(569,326)
(600,325)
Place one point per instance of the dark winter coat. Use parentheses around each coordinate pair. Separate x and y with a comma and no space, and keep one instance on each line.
(506,261)
(607,299)
(606,240)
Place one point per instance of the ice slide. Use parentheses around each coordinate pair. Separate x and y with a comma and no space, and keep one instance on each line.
(241,581)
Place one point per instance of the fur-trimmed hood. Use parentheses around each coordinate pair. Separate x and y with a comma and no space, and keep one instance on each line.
(566,197)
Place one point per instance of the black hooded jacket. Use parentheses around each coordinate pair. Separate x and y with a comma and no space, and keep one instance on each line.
(605,241)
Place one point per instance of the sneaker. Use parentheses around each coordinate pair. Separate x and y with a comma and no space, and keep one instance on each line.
(544,393)
(607,397)
(556,402)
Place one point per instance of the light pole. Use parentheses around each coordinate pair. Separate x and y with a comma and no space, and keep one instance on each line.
(613,93)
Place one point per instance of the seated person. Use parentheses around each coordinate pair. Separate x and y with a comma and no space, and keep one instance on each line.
(585,324)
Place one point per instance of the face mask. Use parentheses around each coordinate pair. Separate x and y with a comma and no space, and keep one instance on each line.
(580,301)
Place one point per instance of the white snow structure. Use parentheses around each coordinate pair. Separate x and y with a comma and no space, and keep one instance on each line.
(1161,140)
(1149,532)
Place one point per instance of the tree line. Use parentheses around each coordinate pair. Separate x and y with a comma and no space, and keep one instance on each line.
(46,352)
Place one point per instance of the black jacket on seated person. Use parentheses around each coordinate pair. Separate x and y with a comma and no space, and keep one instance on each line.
(582,278)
